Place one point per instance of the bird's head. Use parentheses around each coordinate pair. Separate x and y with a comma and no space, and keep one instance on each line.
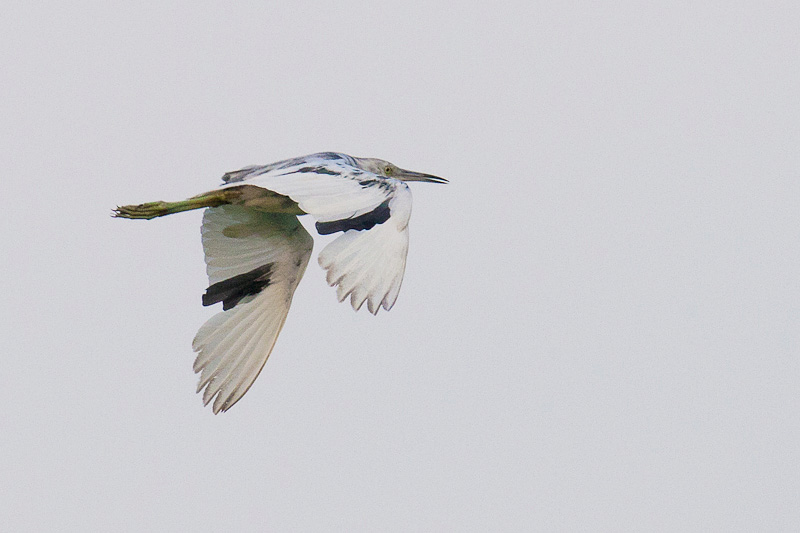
(388,170)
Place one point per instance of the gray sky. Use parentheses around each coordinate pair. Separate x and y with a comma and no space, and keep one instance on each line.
(598,324)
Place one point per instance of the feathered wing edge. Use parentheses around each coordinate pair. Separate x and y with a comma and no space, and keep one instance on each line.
(368,265)
(234,345)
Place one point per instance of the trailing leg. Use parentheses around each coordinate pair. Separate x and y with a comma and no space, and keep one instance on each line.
(160,209)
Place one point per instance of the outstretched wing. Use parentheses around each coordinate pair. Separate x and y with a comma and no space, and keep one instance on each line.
(254,262)
(368,260)
(368,264)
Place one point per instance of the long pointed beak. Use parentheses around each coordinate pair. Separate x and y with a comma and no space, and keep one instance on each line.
(410,175)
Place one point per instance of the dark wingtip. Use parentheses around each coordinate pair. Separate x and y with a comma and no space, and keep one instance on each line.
(230,291)
(379,215)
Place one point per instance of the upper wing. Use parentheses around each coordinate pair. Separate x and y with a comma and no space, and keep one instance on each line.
(254,262)
(368,260)
(328,185)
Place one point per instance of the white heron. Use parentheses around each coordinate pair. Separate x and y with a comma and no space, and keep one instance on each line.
(256,252)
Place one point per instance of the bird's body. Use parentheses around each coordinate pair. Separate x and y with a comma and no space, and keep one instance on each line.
(256,252)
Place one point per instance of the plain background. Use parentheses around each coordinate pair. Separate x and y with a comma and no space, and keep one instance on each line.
(598,328)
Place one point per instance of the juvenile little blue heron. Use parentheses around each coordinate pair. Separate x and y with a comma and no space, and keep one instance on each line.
(256,252)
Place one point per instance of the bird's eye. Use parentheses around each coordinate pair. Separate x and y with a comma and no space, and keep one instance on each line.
(388,171)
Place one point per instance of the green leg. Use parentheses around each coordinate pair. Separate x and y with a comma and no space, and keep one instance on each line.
(160,209)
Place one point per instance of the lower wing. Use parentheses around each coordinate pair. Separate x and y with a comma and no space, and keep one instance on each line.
(254,262)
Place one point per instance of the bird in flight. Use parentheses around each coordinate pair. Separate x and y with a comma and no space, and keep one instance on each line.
(256,252)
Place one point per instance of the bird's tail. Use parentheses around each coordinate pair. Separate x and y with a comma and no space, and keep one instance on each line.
(160,209)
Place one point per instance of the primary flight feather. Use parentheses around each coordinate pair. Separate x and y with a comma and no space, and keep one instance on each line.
(256,252)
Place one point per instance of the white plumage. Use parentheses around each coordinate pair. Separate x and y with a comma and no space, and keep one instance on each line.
(256,252)
(369,265)
(233,345)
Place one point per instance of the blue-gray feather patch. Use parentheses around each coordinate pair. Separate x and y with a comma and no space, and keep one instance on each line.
(379,215)
(230,291)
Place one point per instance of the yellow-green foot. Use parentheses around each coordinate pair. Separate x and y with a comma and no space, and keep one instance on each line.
(143,211)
